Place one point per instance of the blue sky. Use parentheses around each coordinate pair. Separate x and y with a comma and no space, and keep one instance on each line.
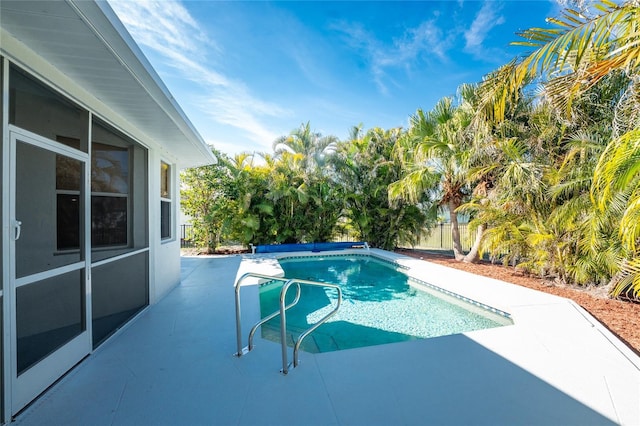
(246,73)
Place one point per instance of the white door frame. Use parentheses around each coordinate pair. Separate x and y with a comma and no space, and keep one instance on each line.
(24,388)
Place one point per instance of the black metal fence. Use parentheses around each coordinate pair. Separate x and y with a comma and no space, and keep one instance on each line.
(437,238)
(186,236)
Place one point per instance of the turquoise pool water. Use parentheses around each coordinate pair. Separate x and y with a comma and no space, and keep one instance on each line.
(380,305)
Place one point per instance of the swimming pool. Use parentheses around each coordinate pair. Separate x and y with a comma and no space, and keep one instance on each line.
(381,305)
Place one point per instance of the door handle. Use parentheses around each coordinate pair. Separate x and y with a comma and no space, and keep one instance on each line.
(18,228)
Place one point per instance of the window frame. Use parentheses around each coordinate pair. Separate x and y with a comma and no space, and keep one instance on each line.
(65,192)
(94,194)
(166,176)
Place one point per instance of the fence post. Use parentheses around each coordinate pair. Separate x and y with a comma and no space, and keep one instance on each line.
(186,236)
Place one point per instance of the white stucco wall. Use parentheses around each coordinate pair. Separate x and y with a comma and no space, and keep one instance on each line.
(166,270)
(164,254)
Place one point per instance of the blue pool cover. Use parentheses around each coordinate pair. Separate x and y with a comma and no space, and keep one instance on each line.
(315,247)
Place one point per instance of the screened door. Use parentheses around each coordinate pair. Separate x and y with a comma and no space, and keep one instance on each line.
(48,261)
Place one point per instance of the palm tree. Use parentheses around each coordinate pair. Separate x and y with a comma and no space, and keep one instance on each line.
(307,203)
(364,168)
(435,153)
(311,145)
(286,192)
(241,161)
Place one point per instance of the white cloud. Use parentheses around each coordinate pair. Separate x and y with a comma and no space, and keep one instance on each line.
(167,28)
(427,37)
(487,18)
(573,4)
(161,25)
(402,52)
(232,111)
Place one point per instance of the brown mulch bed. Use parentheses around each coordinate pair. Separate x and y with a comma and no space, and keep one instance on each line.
(196,251)
(621,318)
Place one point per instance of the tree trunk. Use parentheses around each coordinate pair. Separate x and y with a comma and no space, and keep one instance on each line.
(455,230)
(474,254)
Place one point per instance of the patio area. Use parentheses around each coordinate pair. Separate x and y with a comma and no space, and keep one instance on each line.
(173,365)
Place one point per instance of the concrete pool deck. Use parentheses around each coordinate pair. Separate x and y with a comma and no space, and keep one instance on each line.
(173,365)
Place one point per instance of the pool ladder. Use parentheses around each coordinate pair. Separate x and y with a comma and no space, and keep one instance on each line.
(288,282)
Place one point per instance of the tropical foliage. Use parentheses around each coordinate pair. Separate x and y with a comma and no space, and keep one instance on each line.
(364,168)
(588,66)
(310,189)
(542,156)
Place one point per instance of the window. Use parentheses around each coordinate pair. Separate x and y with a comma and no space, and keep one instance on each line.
(165,201)
(119,193)
(68,198)
(109,195)
(119,229)
(109,198)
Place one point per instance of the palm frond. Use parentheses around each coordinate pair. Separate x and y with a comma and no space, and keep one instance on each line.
(617,167)
(413,185)
(573,56)
(630,223)
(628,283)
(627,110)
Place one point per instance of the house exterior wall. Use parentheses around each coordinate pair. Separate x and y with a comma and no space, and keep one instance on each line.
(165,253)
(166,271)
(153,258)
(165,268)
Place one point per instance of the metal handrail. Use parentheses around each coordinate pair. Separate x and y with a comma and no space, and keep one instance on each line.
(273,315)
(241,351)
(282,312)
(283,319)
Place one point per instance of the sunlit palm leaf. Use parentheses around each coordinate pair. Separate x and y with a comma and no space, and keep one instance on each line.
(630,223)
(629,283)
(617,168)
(575,55)
(412,186)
